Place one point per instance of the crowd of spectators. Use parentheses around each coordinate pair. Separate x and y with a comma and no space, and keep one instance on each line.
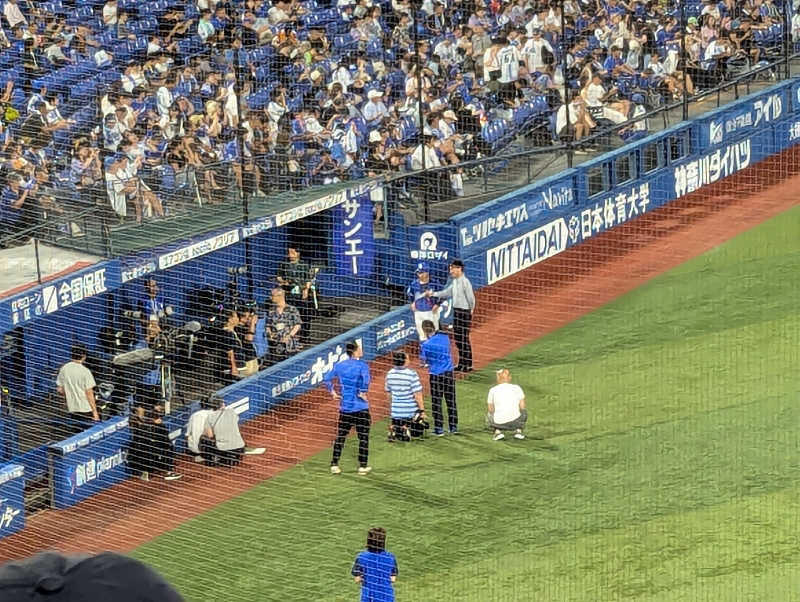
(140,106)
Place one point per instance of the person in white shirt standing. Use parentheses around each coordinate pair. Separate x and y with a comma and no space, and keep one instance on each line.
(506,404)
(76,383)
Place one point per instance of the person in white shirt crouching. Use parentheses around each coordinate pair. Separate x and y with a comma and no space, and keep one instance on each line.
(506,403)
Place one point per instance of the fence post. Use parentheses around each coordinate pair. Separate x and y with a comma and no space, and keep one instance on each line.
(684,62)
(787,38)
(38,265)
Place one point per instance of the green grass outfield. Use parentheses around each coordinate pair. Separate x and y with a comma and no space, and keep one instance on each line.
(663,464)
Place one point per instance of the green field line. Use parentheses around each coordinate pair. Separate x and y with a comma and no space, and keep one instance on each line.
(662,464)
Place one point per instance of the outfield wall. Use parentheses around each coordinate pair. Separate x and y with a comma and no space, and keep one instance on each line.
(496,240)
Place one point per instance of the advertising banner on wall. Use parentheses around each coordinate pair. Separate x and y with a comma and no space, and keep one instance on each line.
(744,118)
(353,240)
(510,216)
(12,500)
(90,462)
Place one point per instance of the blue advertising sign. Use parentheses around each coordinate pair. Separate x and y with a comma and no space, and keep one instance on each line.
(743,118)
(434,244)
(12,499)
(90,462)
(49,298)
(353,241)
(514,214)
(788,134)
(395,330)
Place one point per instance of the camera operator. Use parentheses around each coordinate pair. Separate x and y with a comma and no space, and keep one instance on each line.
(248,319)
(76,383)
(228,349)
(295,277)
(152,305)
(150,449)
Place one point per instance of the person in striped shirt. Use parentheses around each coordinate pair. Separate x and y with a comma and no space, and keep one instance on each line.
(405,389)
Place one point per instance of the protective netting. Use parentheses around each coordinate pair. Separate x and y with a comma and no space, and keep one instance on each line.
(211,210)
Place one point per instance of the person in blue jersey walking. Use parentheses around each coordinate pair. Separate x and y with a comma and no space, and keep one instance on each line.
(353,377)
(436,355)
(407,405)
(376,569)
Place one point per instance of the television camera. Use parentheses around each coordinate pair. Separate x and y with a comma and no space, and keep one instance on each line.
(171,349)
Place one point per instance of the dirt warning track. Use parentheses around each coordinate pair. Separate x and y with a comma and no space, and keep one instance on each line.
(510,314)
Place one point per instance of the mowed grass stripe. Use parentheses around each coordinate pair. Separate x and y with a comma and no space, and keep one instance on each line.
(665,465)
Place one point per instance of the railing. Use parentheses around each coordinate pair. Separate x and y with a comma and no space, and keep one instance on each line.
(224,185)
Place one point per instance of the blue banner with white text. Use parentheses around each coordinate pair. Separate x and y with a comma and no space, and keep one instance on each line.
(90,462)
(12,499)
(353,242)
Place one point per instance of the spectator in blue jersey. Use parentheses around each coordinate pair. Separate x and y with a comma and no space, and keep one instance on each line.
(152,305)
(407,406)
(435,354)
(423,306)
(353,377)
(376,569)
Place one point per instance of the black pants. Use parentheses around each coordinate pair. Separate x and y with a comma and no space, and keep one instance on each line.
(361,421)
(443,387)
(148,395)
(462,322)
(212,455)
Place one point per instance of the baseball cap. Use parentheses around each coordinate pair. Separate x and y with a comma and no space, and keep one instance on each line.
(53,577)
(423,266)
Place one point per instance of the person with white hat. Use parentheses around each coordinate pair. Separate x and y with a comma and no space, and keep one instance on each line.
(374,109)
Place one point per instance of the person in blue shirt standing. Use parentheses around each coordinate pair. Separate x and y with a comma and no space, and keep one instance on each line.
(376,569)
(423,306)
(435,353)
(353,376)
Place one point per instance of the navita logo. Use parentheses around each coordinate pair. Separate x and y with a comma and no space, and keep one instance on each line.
(428,248)
(394,333)
(558,197)
(715,132)
(526,250)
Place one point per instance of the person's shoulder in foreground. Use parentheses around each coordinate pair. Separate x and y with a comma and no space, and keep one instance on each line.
(106,576)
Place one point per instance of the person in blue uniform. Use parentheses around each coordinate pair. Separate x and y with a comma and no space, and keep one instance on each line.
(353,376)
(423,306)
(152,304)
(436,355)
(376,569)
